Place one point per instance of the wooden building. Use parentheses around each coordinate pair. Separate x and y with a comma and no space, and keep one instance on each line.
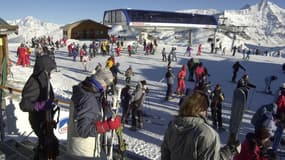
(85,29)
(5,29)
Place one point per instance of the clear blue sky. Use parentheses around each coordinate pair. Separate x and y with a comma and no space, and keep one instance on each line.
(68,11)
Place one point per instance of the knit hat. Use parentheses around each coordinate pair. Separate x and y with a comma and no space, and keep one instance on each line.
(102,78)
(262,133)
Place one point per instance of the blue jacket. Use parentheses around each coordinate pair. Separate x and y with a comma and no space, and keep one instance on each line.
(87,110)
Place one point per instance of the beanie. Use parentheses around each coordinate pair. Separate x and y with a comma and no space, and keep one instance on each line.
(102,78)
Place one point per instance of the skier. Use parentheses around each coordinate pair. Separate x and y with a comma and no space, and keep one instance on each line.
(129,73)
(163,53)
(84,61)
(115,70)
(236,67)
(255,146)
(247,54)
(181,81)
(130,50)
(217,97)
(86,123)
(173,53)
(234,50)
(21,55)
(170,81)
(268,80)
(137,104)
(188,50)
(199,50)
(190,129)
(203,84)
(125,103)
(192,65)
(264,117)
(200,71)
(169,58)
(245,85)
(37,99)
(144,44)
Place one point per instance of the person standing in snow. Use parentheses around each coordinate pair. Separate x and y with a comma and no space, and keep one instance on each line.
(86,123)
(199,50)
(115,70)
(190,136)
(181,81)
(192,65)
(126,98)
(163,53)
(234,49)
(84,61)
(236,66)
(129,73)
(245,85)
(200,71)
(268,80)
(188,50)
(170,81)
(173,52)
(137,104)
(217,97)
(37,99)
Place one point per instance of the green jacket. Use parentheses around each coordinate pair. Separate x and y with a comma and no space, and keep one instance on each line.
(192,138)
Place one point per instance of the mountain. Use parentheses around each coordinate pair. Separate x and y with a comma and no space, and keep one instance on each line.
(31,26)
(265,22)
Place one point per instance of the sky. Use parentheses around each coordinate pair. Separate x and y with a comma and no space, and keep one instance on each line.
(64,12)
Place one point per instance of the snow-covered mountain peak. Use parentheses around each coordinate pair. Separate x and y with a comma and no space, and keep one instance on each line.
(30,27)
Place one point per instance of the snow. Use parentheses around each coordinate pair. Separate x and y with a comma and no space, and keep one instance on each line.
(146,142)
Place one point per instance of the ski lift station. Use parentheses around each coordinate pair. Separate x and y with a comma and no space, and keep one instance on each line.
(156,21)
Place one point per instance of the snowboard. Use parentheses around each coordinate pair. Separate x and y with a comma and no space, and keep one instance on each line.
(237,110)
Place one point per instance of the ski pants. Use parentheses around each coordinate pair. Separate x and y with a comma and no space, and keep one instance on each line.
(181,86)
(234,76)
(217,115)
(191,75)
(137,115)
(169,91)
(277,137)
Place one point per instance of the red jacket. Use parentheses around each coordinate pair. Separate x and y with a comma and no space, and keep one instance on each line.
(182,73)
(249,150)
(281,102)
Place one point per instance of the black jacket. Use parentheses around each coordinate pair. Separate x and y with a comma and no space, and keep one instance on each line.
(36,90)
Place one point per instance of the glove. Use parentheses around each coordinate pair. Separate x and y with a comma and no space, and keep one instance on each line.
(235,147)
(114,123)
(43,105)
(102,126)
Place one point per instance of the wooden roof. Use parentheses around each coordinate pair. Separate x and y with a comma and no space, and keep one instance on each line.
(6,28)
(79,22)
